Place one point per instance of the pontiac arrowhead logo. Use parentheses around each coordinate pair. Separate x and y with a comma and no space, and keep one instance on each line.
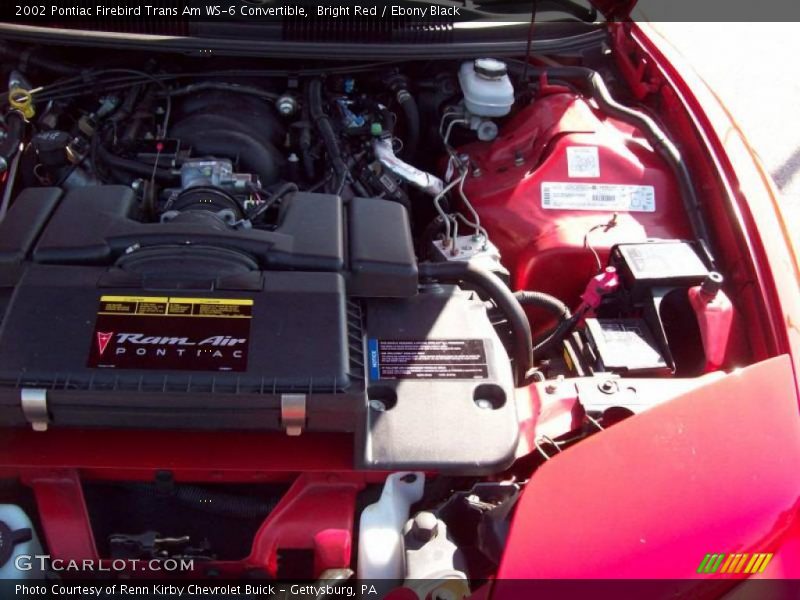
(102,341)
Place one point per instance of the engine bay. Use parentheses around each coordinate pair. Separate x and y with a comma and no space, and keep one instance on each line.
(426,277)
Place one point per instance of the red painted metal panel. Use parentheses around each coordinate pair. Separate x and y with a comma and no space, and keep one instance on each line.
(544,246)
(715,470)
(62,511)
(190,456)
(317,513)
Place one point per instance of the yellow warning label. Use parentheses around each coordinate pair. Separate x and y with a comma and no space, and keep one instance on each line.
(133,299)
(233,301)
(152,306)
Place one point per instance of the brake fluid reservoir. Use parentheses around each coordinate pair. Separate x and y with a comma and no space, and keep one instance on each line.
(18,539)
(486,87)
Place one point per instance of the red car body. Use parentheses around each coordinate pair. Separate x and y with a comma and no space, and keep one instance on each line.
(714,470)
(727,454)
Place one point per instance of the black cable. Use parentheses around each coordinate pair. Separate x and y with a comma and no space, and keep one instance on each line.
(530,41)
(36,61)
(325,128)
(86,89)
(545,342)
(80,85)
(503,299)
(162,85)
(131,166)
(286,188)
(305,144)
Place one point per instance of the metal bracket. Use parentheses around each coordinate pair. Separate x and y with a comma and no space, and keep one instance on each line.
(293,413)
(34,407)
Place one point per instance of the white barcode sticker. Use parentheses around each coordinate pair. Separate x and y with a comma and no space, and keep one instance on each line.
(598,196)
(583,161)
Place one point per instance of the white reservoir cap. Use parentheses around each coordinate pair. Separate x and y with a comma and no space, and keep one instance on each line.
(486,87)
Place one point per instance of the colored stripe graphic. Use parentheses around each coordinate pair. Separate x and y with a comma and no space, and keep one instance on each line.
(735,563)
(728,563)
(710,563)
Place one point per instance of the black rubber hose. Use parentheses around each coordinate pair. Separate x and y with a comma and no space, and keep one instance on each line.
(412,123)
(592,83)
(133,166)
(546,341)
(502,297)
(323,124)
(15,128)
(545,301)
(305,144)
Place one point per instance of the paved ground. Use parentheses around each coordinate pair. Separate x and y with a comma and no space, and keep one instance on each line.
(752,67)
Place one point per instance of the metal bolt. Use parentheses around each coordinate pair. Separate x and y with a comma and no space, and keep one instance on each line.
(608,386)
(712,284)
(286,105)
(425,526)
(552,386)
(377,405)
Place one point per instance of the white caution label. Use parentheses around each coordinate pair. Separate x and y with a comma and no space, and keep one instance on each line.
(598,196)
(583,161)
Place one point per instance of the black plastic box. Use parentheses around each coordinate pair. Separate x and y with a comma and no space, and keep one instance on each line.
(671,263)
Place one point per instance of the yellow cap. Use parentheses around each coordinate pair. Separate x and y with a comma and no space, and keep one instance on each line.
(22,100)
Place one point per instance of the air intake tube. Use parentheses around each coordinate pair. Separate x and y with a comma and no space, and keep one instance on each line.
(505,300)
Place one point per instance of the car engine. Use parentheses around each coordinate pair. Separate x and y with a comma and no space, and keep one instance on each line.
(287,253)
(223,256)
(284,297)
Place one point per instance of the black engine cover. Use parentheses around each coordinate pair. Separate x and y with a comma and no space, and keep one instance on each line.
(325,311)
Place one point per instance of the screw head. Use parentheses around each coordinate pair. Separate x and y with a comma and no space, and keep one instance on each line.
(425,526)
